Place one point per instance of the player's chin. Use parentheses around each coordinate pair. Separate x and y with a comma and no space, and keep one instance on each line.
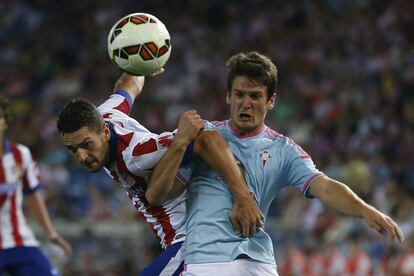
(247,127)
(245,123)
(93,168)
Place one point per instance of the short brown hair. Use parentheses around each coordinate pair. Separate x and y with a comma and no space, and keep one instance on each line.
(254,66)
(79,113)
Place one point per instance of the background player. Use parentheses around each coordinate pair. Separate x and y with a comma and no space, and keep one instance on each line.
(270,162)
(106,137)
(19,251)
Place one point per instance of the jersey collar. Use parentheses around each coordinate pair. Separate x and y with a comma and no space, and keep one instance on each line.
(248,135)
(113,142)
(6,147)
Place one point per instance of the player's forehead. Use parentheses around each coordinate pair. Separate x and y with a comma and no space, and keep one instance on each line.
(244,84)
(78,136)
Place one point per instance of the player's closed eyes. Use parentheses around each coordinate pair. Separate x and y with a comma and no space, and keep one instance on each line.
(253,96)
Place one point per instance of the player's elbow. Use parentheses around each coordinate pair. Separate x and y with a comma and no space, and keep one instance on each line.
(207,140)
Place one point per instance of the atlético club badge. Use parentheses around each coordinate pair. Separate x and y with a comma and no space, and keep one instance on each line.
(265,156)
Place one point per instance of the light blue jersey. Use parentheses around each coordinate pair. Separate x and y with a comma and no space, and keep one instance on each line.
(270,162)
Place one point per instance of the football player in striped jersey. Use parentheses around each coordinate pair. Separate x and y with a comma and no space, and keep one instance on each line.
(19,180)
(106,137)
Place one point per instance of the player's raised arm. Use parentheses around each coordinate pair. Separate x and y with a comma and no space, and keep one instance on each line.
(131,84)
(340,197)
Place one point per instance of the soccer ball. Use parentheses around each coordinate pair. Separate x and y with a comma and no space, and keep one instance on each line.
(139,44)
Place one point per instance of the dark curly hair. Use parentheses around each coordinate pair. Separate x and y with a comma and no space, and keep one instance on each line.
(79,113)
(254,66)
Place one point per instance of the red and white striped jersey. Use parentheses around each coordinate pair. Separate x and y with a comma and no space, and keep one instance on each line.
(18,175)
(134,151)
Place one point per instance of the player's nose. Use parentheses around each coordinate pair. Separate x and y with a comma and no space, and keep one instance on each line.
(245,102)
(81,155)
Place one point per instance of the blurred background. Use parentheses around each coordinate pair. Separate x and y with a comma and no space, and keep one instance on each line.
(345,93)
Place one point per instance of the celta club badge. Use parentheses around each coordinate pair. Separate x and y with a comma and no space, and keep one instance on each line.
(265,156)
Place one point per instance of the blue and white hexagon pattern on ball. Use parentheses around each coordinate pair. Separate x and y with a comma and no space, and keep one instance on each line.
(139,44)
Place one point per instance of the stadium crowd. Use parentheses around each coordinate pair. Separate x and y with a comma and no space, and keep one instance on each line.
(345,93)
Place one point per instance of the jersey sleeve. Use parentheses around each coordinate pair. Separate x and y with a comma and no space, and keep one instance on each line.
(31,180)
(300,169)
(187,165)
(120,102)
(208,126)
(146,155)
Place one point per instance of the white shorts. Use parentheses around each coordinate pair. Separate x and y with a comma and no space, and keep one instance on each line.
(233,268)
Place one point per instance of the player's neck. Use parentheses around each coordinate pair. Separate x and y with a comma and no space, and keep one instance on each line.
(247,132)
(107,159)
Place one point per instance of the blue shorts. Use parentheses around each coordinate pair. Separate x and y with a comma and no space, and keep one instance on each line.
(169,263)
(25,261)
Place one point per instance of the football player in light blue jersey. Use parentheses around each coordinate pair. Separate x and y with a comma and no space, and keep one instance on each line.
(270,162)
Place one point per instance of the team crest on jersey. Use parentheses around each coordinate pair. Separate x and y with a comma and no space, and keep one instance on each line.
(265,156)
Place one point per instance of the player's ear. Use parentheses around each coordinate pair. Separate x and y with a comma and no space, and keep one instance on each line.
(106,133)
(228,98)
(271,102)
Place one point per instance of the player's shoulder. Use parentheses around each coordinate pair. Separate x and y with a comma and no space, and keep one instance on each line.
(14,146)
(287,144)
(219,123)
(20,151)
(278,138)
(215,124)
(275,136)
(119,102)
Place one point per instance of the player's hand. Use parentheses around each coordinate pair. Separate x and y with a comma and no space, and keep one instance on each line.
(62,243)
(156,73)
(130,83)
(382,223)
(189,126)
(246,216)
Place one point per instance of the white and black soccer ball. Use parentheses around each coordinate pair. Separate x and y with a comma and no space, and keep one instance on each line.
(139,44)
